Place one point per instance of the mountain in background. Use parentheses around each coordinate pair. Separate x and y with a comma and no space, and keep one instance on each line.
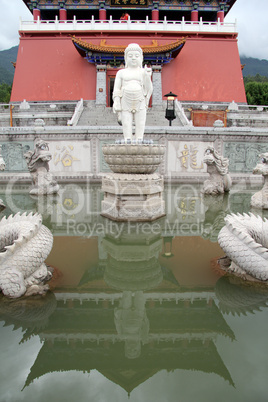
(252,66)
(6,67)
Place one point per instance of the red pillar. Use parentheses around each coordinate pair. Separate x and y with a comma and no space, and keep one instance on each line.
(220,16)
(194,15)
(63,14)
(155,15)
(36,14)
(102,14)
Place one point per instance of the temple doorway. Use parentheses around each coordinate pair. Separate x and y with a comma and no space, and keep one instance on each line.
(110,75)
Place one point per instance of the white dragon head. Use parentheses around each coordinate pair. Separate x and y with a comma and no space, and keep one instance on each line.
(262,168)
(212,157)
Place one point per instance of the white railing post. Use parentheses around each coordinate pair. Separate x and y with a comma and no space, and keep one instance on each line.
(182,23)
(77,113)
(218,24)
(181,114)
(74,22)
(201,24)
(128,22)
(165,23)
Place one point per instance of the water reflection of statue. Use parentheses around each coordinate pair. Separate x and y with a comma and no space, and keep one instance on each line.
(132,91)
(216,210)
(133,267)
(131,322)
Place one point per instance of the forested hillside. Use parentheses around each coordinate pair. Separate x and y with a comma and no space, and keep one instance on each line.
(6,67)
(254,66)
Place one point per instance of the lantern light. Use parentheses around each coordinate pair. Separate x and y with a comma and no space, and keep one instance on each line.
(170,109)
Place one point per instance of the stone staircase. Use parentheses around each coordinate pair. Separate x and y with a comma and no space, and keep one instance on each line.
(156,117)
(93,115)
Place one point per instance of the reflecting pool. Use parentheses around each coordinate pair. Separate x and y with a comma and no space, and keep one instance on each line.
(137,311)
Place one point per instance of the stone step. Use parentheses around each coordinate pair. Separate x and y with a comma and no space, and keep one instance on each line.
(97,116)
(103,116)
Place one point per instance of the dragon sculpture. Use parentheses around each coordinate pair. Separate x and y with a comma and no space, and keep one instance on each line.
(2,162)
(37,161)
(244,239)
(260,199)
(2,167)
(24,245)
(219,180)
(2,205)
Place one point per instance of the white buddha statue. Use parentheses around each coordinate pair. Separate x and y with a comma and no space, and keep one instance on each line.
(132,91)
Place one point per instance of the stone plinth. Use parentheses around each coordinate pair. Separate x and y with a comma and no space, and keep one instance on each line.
(130,197)
(133,158)
(133,192)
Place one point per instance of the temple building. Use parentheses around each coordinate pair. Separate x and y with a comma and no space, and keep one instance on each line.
(72,50)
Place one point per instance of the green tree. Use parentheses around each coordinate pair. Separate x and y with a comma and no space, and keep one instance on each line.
(5,92)
(255,78)
(257,93)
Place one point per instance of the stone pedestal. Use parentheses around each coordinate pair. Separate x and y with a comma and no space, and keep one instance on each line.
(133,197)
(133,192)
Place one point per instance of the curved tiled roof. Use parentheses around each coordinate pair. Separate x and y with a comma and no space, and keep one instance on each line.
(147,49)
(103,53)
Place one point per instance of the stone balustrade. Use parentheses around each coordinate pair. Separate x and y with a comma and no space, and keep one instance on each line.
(130,25)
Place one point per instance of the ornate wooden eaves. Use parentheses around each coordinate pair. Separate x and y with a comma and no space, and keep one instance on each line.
(114,55)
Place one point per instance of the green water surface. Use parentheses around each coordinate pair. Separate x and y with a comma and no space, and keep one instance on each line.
(137,311)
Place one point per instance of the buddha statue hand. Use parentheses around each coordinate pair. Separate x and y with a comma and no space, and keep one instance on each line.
(117,105)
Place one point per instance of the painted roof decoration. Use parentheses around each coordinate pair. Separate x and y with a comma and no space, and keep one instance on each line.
(104,53)
(183,5)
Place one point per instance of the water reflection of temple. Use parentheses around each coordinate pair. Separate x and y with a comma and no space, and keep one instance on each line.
(78,331)
(131,300)
(181,336)
(121,307)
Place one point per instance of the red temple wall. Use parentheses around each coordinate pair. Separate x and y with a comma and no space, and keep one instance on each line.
(206,70)
(51,69)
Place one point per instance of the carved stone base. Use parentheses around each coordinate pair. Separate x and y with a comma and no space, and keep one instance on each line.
(132,197)
(133,158)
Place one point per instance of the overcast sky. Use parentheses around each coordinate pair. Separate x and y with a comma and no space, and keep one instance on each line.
(251,19)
